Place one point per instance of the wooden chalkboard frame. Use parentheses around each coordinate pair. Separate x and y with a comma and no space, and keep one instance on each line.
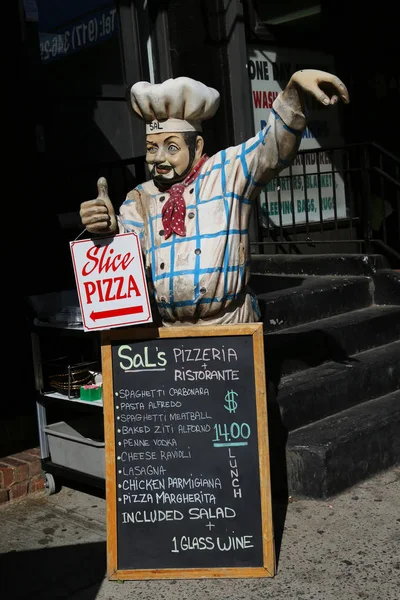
(150,332)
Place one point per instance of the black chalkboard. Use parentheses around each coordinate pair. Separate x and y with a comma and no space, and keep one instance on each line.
(189,489)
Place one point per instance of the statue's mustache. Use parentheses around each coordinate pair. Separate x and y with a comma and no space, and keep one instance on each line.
(155,166)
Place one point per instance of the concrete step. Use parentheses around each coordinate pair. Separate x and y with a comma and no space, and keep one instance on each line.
(319,392)
(318,264)
(313,298)
(333,454)
(387,287)
(267,283)
(335,338)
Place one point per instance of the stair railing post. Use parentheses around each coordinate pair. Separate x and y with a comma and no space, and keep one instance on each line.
(366,201)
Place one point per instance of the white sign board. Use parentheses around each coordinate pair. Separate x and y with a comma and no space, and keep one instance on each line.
(269,71)
(111,282)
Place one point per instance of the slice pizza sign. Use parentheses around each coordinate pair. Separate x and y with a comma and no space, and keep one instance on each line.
(111,282)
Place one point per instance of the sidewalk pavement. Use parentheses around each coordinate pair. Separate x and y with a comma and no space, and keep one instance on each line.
(345,548)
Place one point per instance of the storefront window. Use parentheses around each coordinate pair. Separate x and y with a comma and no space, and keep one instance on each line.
(290,23)
(83,56)
(79,44)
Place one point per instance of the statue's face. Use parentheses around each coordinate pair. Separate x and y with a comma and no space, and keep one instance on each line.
(169,157)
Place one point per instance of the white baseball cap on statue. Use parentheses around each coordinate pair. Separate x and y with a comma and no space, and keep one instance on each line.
(176,105)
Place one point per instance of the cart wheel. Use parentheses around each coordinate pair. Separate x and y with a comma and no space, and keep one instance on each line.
(50,484)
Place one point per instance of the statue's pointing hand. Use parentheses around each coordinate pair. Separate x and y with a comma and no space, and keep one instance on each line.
(326,88)
(98,215)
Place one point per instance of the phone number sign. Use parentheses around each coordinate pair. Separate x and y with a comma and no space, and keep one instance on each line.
(91,30)
(111,282)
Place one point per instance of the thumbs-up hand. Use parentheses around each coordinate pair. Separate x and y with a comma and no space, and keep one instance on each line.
(98,215)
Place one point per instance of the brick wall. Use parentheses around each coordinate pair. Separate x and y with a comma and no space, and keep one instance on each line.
(20,474)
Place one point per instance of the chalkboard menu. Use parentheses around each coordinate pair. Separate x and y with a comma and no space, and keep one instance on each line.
(187,462)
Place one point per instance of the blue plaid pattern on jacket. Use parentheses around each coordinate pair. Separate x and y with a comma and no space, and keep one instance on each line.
(204,275)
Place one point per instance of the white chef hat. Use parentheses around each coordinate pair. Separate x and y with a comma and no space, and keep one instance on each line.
(176,105)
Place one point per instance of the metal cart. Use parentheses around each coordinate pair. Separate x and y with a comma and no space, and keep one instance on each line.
(71,430)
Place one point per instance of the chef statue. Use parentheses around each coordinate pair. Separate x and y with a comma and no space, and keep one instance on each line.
(192,216)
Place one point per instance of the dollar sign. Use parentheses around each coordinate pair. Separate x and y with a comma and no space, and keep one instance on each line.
(231,403)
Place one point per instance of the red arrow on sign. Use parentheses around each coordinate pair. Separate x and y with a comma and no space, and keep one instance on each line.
(118,312)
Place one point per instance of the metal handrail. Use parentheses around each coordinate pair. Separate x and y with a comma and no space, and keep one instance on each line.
(387,248)
(352,145)
(371,177)
(386,176)
(384,151)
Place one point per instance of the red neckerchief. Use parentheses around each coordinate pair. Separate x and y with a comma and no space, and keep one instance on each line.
(174,210)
